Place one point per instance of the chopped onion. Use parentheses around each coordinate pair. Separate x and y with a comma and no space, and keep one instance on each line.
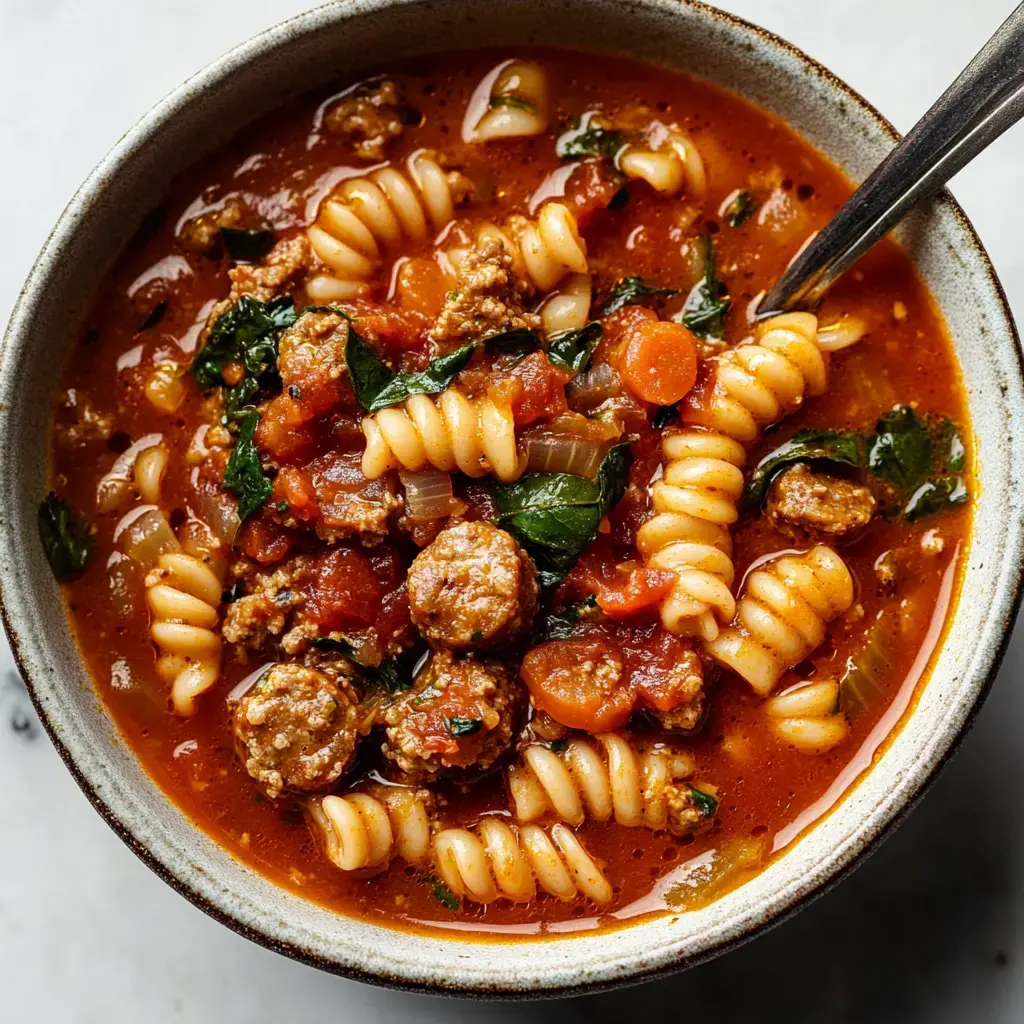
(563,453)
(219,512)
(115,487)
(429,495)
(239,690)
(144,535)
(575,425)
(841,333)
(599,383)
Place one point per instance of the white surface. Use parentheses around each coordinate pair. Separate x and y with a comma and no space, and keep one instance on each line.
(928,930)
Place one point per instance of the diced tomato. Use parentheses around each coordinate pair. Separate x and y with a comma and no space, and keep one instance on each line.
(590,189)
(580,683)
(394,331)
(344,591)
(634,592)
(294,487)
(541,388)
(421,286)
(281,432)
(664,670)
(264,542)
(480,500)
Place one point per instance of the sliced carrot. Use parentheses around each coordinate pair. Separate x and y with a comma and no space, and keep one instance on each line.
(633,592)
(660,362)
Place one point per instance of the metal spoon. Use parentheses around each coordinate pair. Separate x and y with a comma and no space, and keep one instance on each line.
(985,100)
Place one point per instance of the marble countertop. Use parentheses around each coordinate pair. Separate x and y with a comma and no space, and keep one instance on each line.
(930,929)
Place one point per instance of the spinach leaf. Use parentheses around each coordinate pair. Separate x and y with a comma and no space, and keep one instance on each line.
(393,675)
(247,246)
(901,450)
(583,138)
(520,341)
(562,625)
(512,101)
(663,416)
(741,207)
(458,727)
(571,350)
(66,536)
(443,894)
(933,496)
(704,307)
(154,316)
(244,475)
(556,515)
(841,447)
(705,803)
(377,387)
(633,291)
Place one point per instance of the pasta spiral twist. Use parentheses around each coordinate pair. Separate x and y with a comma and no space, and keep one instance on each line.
(501,861)
(676,165)
(694,505)
(183,594)
(515,104)
(634,787)
(362,832)
(807,716)
(782,614)
(757,384)
(378,212)
(451,431)
(568,309)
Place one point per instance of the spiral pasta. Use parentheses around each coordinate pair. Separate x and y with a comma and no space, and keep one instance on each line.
(568,309)
(183,594)
(807,716)
(782,614)
(753,385)
(448,432)
(672,168)
(363,832)
(695,502)
(149,470)
(638,788)
(515,104)
(165,388)
(367,215)
(502,861)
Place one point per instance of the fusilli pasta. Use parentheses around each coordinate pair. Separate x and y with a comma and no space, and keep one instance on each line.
(448,432)
(782,614)
(676,165)
(502,861)
(568,309)
(515,104)
(807,716)
(695,502)
(363,832)
(150,467)
(183,594)
(165,388)
(365,216)
(637,787)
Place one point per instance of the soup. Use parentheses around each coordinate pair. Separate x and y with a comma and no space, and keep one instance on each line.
(449,540)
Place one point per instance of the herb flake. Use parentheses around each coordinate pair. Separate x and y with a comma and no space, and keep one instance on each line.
(739,209)
(66,537)
(841,448)
(583,137)
(459,727)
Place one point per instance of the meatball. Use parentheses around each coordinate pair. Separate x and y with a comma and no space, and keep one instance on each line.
(472,586)
(460,714)
(814,506)
(296,730)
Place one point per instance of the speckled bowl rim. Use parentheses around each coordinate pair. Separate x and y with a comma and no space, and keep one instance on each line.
(510,982)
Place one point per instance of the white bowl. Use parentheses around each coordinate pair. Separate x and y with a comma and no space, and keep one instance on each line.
(339,40)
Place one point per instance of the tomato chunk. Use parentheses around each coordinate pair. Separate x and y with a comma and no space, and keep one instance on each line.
(635,591)
(263,542)
(344,591)
(580,683)
(540,393)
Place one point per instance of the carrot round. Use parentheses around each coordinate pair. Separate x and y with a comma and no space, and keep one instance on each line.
(660,362)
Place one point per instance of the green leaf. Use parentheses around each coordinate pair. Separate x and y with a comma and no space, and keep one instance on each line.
(704,307)
(66,536)
(444,895)
(459,727)
(244,475)
(247,246)
(740,209)
(663,416)
(705,803)
(583,138)
(394,675)
(556,515)
(520,341)
(633,291)
(936,495)
(562,625)
(376,386)
(840,447)
(901,450)
(571,350)
(512,101)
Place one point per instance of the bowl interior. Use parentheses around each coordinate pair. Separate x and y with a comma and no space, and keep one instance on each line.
(338,41)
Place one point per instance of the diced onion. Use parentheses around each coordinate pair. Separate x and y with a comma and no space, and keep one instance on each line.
(239,690)
(144,535)
(588,390)
(429,495)
(563,453)
(220,513)
(115,487)
(841,333)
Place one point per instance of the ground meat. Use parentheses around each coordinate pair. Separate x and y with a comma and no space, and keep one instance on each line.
(265,610)
(296,730)
(680,694)
(487,300)
(311,362)
(275,275)
(684,813)
(473,586)
(460,714)
(202,234)
(814,506)
(80,421)
(370,118)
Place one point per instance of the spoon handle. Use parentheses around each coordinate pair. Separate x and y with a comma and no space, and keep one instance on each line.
(985,100)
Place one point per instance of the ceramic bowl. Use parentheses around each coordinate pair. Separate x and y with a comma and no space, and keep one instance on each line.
(339,40)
